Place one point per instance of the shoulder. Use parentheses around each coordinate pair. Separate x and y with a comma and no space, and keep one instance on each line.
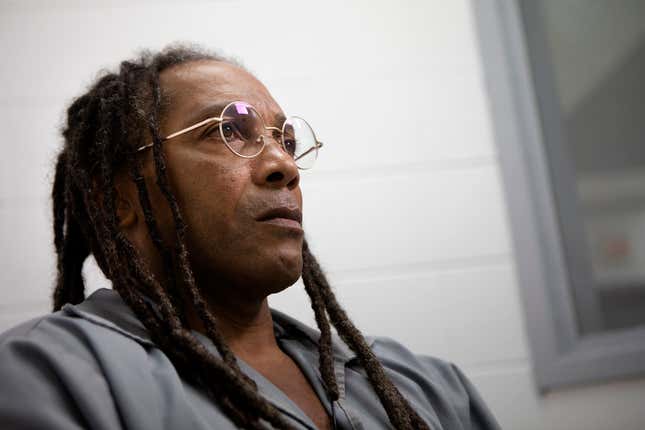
(439,382)
(99,326)
(49,361)
(423,369)
(63,345)
(392,353)
(81,368)
(57,333)
(67,332)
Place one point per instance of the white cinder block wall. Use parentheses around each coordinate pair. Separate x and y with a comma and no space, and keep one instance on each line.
(405,208)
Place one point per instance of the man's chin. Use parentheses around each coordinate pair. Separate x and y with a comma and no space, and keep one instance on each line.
(283,284)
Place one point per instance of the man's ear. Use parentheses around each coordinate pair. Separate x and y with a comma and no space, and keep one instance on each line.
(126,208)
(125,211)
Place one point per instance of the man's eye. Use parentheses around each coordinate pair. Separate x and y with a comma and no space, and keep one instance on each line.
(228,130)
(290,146)
(211,132)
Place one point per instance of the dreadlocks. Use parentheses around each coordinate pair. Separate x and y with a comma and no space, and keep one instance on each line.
(103,126)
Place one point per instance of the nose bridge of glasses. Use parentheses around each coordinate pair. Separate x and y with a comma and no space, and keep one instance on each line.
(271,132)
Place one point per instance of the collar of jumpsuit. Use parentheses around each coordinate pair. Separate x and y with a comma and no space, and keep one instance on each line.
(289,332)
(105,307)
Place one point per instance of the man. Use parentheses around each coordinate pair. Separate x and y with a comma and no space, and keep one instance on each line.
(180,175)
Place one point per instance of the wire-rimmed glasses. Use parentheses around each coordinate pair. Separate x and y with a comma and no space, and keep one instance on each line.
(242,129)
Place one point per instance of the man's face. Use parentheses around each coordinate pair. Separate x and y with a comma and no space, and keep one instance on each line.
(220,195)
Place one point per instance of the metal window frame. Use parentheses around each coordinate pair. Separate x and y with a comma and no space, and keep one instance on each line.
(548,240)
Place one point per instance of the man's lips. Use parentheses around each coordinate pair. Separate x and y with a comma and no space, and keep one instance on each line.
(282,215)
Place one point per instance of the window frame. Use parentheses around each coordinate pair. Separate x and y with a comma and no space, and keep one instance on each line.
(550,248)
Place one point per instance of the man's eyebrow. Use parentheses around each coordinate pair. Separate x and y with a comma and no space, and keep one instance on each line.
(215,110)
(200,114)
(279,119)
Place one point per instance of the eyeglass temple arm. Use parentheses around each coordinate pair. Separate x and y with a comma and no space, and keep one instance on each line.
(183,131)
(317,146)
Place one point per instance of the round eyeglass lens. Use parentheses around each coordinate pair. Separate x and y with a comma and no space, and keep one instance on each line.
(242,128)
(299,141)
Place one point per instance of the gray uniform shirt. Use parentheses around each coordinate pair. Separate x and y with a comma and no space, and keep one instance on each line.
(94,366)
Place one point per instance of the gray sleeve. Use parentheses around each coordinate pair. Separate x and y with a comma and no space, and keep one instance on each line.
(439,384)
(479,416)
(47,383)
(456,390)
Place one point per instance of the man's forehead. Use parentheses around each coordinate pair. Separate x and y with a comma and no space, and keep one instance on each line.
(196,85)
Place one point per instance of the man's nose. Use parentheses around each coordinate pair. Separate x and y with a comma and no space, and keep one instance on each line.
(274,166)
